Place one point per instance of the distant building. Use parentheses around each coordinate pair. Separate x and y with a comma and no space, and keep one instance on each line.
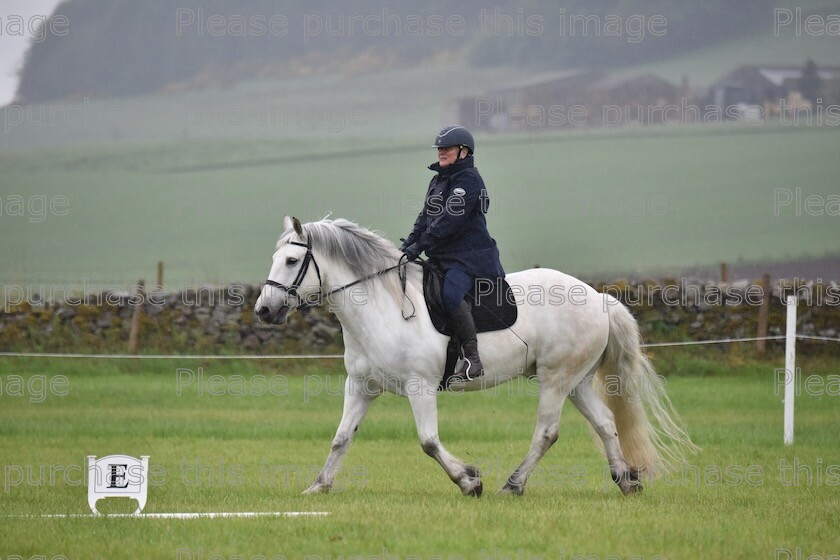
(639,99)
(566,99)
(761,85)
(523,105)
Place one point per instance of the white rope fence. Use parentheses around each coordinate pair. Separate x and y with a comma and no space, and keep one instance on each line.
(719,341)
(339,356)
(825,338)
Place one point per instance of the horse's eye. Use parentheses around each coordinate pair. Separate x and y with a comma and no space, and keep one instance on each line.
(291,260)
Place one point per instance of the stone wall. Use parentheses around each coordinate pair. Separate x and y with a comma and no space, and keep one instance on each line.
(693,310)
(208,320)
(222,320)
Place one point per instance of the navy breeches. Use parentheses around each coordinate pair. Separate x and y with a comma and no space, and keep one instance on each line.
(456,284)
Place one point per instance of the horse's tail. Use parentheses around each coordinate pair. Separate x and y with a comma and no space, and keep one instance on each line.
(651,434)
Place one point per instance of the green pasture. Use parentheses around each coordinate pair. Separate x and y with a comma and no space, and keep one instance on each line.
(592,204)
(744,495)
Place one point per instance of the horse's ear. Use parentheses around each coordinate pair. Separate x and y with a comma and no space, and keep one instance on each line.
(287,223)
(297,226)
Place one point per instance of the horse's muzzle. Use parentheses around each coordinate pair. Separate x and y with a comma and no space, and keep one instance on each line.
(264,314)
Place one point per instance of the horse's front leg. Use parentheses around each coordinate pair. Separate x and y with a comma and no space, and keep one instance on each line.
(424,405)
(357,399)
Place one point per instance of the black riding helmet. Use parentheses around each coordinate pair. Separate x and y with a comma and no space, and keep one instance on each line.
(455,136)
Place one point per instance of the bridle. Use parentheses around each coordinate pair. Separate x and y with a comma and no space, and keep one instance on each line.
(309,258)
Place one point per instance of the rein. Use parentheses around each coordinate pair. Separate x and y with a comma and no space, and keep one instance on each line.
(309,258)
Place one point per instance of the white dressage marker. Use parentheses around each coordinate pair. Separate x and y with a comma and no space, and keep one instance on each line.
(118,476)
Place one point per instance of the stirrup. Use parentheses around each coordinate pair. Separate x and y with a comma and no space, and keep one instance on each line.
(468,368)
(465,374)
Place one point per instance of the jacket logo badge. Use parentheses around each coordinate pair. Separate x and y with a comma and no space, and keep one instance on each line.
(458,191)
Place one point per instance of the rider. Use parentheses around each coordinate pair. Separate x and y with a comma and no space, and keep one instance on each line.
(451,229)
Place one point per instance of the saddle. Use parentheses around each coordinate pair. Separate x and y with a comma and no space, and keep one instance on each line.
(493,308)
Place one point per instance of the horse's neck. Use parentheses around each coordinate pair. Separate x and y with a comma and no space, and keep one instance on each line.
(368,310)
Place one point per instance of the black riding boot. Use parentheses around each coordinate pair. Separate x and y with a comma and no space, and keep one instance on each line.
(464,327)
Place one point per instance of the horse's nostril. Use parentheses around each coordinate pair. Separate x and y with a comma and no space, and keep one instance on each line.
(263,313)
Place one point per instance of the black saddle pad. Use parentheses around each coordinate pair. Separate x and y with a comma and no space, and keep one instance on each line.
(492,302)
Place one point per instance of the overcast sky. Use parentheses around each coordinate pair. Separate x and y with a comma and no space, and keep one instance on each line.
(13,46)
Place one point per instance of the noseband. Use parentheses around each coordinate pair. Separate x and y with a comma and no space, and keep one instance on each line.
(308,259)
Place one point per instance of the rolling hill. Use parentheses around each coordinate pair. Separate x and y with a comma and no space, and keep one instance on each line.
(116,48)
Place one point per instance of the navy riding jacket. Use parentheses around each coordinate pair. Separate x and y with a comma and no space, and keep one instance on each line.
(451,228)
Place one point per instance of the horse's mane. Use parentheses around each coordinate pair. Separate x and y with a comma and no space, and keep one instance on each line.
(363,251)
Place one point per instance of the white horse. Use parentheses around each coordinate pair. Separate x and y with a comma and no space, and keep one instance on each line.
(578,343)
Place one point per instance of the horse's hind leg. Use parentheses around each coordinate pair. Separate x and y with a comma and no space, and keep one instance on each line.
(545,434)
(423,401)
(601,417)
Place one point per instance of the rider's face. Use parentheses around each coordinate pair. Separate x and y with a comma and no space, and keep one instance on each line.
(448,156)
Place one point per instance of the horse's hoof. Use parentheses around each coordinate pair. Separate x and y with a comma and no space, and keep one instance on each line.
(631,488)
(474,490)
(317,488)
(628,481)
(470,484)
(512,490)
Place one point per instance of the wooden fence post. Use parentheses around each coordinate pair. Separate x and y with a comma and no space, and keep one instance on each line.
(159,283)
(135,319)
(763,310)
(724,273)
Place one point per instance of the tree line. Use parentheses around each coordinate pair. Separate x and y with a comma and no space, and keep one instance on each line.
(124,47)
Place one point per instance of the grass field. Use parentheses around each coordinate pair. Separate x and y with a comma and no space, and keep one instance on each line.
(743,496)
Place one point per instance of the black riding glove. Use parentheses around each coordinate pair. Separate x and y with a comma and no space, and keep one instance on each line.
(412,252)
